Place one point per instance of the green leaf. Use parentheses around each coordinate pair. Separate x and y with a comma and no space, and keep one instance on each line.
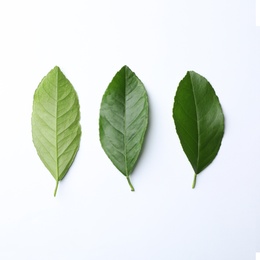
(199,121)
(123,120)
(56,129)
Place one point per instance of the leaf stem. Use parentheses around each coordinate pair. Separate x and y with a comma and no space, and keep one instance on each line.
(194,181)
(56,187)
(130,184)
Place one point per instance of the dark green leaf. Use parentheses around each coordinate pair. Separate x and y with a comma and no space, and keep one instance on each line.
(199,121)
(123,120)
(56,129)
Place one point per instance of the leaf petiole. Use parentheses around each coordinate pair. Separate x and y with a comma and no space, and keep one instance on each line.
(194,181)
(130,184)
(56,187)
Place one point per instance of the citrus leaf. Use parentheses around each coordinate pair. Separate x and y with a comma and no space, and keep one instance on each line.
(123,120)
(199,121)
(56,129)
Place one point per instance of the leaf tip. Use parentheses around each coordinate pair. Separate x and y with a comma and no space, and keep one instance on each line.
(56,69)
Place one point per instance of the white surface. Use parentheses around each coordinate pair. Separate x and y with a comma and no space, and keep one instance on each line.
(95,215)
(258,12)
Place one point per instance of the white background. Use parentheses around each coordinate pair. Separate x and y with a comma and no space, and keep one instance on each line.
(258,12)
(95,215)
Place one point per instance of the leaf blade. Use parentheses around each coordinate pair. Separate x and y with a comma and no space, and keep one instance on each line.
(55,123)
(199,120)
(123,120)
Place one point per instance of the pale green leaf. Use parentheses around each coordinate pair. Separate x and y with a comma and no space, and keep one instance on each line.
(123,120)
(199,121)
(56,129)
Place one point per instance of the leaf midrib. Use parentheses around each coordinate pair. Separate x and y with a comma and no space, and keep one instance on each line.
(197,123)
(56,126)
(125,152)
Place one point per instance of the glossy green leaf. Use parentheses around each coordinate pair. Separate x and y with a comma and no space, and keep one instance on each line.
(56,129)
(123,120)
(199,121)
